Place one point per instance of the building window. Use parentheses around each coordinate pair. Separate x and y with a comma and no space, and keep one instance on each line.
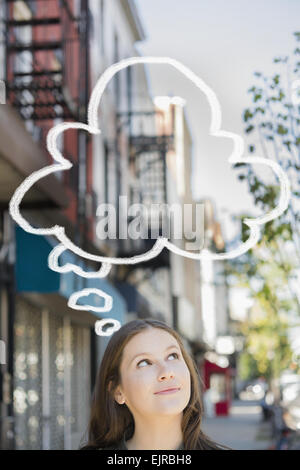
(76,8)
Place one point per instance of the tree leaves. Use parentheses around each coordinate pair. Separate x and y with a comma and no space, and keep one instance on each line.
(247,115)
(281,130)
(249,129)
(270,262)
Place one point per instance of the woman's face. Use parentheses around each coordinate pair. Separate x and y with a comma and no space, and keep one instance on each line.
(151,362)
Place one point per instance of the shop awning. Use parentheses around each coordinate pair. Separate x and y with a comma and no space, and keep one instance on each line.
(34,276)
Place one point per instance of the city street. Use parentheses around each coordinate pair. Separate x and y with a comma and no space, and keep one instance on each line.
(241,430)
(122,223)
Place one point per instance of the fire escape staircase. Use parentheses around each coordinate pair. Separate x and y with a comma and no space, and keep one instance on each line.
(47,86)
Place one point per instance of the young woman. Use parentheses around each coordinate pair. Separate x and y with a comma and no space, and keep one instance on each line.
(130,407)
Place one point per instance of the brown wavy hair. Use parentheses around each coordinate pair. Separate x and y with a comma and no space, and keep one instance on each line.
(109,420)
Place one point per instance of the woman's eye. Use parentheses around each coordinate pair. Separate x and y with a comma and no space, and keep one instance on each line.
(144,360)
(147,360)
(174,354)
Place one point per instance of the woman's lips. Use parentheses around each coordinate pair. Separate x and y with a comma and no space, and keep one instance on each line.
(165,392)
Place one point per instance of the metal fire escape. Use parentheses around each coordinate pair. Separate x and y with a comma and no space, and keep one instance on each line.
(38,63)
(47,73)
(147,158)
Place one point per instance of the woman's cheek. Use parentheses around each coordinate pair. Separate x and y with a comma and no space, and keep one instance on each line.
(139,377)
(132,381)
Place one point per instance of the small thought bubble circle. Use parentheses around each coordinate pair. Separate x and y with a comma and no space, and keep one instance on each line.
(110,330)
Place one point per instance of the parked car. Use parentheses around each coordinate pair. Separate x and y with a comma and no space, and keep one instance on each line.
(254,389)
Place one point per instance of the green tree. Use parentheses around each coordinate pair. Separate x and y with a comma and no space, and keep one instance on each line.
(267,349)
(274,124)
(270,268)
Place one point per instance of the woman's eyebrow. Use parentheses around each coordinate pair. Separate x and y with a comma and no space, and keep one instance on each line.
(149,354)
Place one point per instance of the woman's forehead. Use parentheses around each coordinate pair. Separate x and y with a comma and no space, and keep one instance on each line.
(150,340)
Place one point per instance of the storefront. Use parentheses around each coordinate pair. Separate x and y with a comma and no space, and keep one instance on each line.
(218,388)
(19,157)
(54,367)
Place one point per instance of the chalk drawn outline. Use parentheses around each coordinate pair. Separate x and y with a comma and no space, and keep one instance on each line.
(161,242)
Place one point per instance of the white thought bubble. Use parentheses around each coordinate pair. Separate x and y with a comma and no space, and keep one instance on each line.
(93,128)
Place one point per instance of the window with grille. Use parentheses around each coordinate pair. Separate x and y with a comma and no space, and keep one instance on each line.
(51,379)
(27,377)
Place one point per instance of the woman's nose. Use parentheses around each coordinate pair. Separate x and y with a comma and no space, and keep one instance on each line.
(166,372)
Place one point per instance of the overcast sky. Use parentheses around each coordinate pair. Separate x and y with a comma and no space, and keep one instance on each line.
(224,42)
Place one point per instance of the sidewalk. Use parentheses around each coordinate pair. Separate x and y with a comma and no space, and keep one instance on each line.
(242,429)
